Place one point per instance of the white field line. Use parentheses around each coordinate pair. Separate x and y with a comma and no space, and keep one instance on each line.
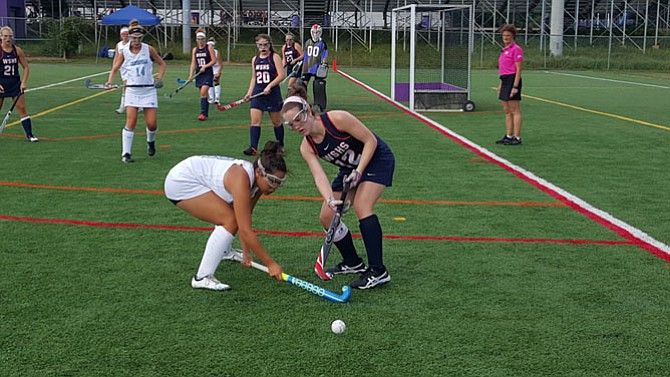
(610,80)
(67,81)
(625,230)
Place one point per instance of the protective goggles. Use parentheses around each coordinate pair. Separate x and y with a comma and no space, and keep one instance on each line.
(271,179)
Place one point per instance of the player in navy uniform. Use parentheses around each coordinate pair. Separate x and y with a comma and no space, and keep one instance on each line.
(265,77)
(292,53)
(11,84)
(365,161)
(202,58)
(314,65)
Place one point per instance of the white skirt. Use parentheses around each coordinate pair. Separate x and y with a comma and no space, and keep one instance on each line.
(141,97)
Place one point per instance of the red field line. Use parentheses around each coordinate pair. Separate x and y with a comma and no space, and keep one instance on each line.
(310,234)
(280,197)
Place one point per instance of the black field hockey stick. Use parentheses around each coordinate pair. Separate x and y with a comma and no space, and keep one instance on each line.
(182,86)
(90,85)
(319,266)
(9,113)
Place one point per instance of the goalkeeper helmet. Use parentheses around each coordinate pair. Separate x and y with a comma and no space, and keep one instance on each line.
(316,32)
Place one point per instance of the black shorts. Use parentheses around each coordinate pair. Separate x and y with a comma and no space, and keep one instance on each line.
(205,78)
(506,84)
(11,86)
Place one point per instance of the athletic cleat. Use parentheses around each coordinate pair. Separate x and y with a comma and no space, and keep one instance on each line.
(120,110)
(251,151)
(209,282)
(127,158)
(504,140)
(233,255)
(371,279)
(202,117)
(343,269)
(32,138)
(151,148)
(513,141)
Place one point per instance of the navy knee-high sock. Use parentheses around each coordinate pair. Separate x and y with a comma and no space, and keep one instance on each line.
(348,250)
(255,136)
(27,125)
(279,134)
(371,231)
(204,106)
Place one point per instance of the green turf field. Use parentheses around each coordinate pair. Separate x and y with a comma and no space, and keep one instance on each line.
(491,275)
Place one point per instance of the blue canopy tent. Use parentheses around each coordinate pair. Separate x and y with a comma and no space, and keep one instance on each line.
(127,14)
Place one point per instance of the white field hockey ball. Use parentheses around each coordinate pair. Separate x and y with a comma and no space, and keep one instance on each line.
(338,326)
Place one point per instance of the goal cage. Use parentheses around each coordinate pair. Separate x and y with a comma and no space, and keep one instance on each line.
(431,49)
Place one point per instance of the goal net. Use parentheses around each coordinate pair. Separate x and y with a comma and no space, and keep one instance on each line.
(431,50)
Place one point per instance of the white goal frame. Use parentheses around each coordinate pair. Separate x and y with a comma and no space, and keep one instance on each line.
(412,10)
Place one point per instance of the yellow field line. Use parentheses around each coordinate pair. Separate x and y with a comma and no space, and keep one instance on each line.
(599,113)
(45,112)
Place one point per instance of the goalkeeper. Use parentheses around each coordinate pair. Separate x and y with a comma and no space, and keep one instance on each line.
(314,65)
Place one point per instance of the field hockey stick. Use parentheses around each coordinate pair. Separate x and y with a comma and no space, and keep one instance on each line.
(181,81)
(294,72)
(319,266)
(89,85)
(309,287)
(9,113)
(182,86)
(238,102)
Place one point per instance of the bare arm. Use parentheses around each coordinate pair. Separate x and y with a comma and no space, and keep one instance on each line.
(158,60)
(26,70)
(320,179)
(281,74)
(191,69)
(236,181)
(253,77)
(301,54)
(116,65)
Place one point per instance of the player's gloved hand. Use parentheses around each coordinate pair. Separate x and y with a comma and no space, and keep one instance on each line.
(158,83)
(333,203)
(353,178)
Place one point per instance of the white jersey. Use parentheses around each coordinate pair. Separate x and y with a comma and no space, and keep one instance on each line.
(120,46)
(216,68)
(139,71)
(198,175)
(139,67)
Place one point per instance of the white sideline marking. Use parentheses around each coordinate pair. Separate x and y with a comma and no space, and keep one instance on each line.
(610,80)
(625,230)
(67,81)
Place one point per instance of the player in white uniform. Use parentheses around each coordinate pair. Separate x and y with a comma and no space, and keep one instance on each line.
(136,61)
(215,91)
(207,186)
(123,43)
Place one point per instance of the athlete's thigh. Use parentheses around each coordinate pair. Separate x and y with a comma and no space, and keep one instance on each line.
(256,116)
(210,208)
(366,196)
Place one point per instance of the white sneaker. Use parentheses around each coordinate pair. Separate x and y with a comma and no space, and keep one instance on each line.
(33,139)
(233,255)
(121,110)
(209,282)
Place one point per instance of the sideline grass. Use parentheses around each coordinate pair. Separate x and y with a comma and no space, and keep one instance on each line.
(82,300)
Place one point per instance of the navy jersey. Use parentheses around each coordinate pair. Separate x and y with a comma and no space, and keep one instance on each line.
(290,53)
(266,71)
(9,77)
(202,58)
(343,150)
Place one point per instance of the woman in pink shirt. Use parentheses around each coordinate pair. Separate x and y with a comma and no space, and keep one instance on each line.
(509,89)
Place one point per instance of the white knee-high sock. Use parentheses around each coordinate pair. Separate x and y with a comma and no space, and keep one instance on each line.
(218,244)
(217,93)
(210,94)
(151,135)
(127,137)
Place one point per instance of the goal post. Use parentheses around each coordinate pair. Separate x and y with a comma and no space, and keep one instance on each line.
(431,50)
